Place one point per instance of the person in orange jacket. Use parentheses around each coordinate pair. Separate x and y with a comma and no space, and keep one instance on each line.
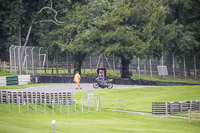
(77,79)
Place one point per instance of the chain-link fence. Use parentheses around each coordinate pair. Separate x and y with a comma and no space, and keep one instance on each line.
(39,60)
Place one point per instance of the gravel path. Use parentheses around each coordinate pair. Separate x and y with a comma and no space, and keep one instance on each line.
(68,88)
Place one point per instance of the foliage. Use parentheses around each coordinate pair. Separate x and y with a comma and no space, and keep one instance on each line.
(126,28)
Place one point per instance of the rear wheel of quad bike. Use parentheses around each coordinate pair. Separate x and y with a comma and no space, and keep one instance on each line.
(95,85)
(109,85)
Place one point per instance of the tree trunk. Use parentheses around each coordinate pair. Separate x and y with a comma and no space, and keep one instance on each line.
(125,68)
(79,57)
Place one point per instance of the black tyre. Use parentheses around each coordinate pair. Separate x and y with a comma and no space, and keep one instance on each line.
(109,85)
(95,85)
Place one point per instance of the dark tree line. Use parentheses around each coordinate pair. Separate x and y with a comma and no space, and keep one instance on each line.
(127,28)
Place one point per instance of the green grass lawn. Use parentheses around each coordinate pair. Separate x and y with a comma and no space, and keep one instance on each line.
(138,99)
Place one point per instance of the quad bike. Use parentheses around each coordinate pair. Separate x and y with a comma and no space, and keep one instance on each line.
(103,83)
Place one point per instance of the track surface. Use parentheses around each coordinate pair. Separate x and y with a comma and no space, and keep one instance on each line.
(68,88)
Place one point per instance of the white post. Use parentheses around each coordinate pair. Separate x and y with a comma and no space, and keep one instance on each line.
(166,109)
(184,65)
(95,103)
(113,61)
(162,60)
(150,67)
(19,60)
(45,106)
(68,107)
(82,102)
(88,104)
(75,105)
(139,66)
(195,69)
(10,58)
(9,103)
(61,107)
(90,63)
(53,125)
(173,65)
(36,106)
(27,105)
(26,56)
(39,60)
(15,59)
(19,104)
(32,60)
(53,107)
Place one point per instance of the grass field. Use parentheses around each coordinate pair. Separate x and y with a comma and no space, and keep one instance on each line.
(138,99)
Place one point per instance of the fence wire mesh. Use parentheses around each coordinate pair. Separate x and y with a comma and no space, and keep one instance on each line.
(39,60)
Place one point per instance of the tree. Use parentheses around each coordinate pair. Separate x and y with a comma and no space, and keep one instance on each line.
(11,14)
(78,35)
(135,28)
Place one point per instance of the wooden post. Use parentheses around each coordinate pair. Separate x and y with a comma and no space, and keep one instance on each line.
(189,117)
(181,106)
(190,105)
(125,105)
(22,94)
(171,110)
(12,99)
(1,97)
(153,108)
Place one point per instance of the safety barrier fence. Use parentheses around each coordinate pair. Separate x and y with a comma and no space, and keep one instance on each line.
(15,80)
(193,115)
(119,104)
(41,97)
(165,108)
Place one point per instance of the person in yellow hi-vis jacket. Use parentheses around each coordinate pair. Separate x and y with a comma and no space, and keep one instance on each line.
(77,79)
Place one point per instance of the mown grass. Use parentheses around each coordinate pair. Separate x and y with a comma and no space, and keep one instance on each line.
(137,99)
(90,122)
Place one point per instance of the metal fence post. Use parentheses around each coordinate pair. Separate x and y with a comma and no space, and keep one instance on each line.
(36,106)
(15,59)
(19,104)
(10,50)
(53,107)
(45,106)
(68,107)
(32,60)
(39,60)
(99,103)
(75,105)
(184,65)
(166,109)
(88,104)
(139,66)
(125,105)
(195,69)
(9,103)
(61,107)
(82,102)
(19,60)
(27,105)
(173,65)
